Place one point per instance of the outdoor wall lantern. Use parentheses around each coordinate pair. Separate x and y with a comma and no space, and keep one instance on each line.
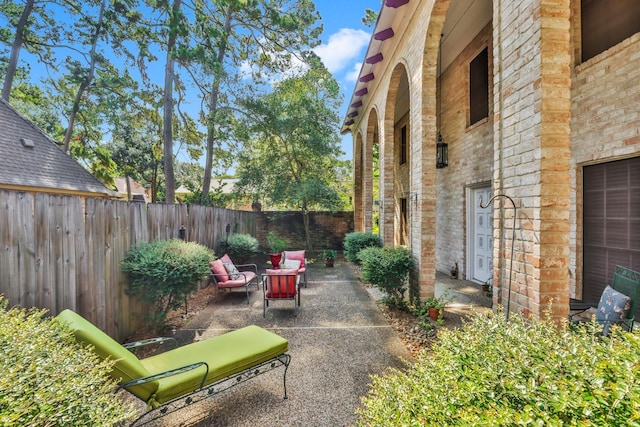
(442,153)
(182,233)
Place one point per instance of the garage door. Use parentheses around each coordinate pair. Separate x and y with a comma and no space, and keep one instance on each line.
(611,222)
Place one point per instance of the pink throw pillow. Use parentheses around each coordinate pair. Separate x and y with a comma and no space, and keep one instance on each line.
(217,267)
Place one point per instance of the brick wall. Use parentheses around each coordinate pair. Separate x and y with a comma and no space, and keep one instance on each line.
(327,229)
(533,150)
(605,125)
(470,155)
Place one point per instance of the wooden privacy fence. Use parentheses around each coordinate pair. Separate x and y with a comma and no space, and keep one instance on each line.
(62,252)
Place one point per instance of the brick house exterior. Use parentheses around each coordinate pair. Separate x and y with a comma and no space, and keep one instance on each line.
(536,102)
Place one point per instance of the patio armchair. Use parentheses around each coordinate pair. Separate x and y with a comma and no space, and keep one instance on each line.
(280,284)
(297,256)
(227,275)
(169,381)
(617,304)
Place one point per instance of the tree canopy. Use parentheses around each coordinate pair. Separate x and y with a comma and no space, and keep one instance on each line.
(291,142)
(127,86)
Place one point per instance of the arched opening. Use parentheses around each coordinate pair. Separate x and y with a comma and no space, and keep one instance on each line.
(395,158)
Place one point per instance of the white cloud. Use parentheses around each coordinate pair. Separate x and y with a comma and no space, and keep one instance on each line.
(342,48)
(352,75)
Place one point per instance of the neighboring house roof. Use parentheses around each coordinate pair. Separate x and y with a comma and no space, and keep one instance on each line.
(31,161)
(138,192)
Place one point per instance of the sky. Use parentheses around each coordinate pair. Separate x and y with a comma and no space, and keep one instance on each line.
(344,43)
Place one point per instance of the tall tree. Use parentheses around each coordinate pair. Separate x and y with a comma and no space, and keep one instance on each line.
(104,27)
(175,24)
(29,25)
(236,35)
(291,154)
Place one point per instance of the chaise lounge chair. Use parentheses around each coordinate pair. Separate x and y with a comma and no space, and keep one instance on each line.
(184,375)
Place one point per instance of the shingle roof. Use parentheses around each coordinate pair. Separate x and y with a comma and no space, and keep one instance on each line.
(42,165)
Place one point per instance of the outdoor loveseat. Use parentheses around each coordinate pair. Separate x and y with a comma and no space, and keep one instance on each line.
(187,374)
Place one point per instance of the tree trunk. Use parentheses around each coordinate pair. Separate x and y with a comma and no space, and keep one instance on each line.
(213,109)
(87,81)
(307,230)
(15,50)
(127,180)
(167,129)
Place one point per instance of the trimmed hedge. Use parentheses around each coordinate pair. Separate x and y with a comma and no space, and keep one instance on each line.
(387,268)
(164,273)
(522,372)
(48,379)
(239,247)
(355,242)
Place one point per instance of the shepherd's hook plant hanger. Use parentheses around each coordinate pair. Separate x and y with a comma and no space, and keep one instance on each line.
(513,242)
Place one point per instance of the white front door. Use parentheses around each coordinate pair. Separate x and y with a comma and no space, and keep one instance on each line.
(480,238)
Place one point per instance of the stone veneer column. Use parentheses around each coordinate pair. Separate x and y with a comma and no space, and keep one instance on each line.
(533,150)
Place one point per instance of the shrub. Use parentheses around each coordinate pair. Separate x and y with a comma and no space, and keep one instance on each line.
(239,247)
(164,272)
(49,379)
(494,372)
(387,268)
(355,242)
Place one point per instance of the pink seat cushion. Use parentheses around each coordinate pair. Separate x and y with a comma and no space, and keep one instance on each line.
(217,268)
(281,283)
(245,277)
(298,256)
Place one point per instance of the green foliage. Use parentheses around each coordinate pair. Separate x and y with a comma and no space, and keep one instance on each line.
(329,253)
(523,372)
(370,18)
(164,272)
(387,268)
(438,302)
(355,242)
(292,143)
(239,247)
(48,379)
(421,310)
(276,244)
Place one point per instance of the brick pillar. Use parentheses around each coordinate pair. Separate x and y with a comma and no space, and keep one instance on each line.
(367,180)
(358,207)
(533,144)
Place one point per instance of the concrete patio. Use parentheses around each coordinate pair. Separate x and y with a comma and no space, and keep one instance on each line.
(338,337)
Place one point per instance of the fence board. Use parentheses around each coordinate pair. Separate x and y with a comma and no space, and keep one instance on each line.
(62,252)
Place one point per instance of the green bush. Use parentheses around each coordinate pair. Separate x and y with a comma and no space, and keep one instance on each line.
(164,272)
(355,242)
(48,379)
(523,372)
(387,268)
(240,247)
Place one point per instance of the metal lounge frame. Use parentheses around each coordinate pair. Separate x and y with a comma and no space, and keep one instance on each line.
(204,392)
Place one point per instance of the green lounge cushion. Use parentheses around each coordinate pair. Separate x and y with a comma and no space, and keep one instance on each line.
(226,354)
(127,367)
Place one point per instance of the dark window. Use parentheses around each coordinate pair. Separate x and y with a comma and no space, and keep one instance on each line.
(606,23)
(403,145)
(611,222)
(479,87)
